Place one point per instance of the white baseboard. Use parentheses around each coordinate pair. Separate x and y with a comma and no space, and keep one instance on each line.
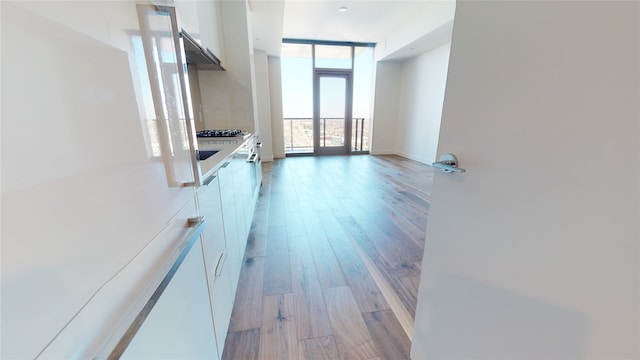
(382,152)
(413,157)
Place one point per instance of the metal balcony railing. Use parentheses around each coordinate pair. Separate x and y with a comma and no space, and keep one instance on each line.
(298,134)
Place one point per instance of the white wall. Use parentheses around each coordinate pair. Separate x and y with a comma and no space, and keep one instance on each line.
(420,106)
(385,108)
(408,105)
(264,104)
(275,90)
(435,18)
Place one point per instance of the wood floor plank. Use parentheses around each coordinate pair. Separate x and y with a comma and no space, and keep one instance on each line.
(247,308)
(311,314)
(369,249)
(387,334)
(408,269)
(323,348)
(364,288)
(277,265)
(278,336)
(350,331)
(415,233)
(411,283)
(277,208)
(329,271)
(390,241)
(391,290)
(352,223)
(242,345)
(295,223)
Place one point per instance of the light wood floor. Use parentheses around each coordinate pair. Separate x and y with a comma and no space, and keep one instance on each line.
(332,265)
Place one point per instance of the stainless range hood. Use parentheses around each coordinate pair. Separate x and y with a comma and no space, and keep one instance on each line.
(200,56)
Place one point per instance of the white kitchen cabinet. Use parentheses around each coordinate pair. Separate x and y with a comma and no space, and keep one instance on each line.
(248,186)
(180,325)
(240,166)
(202,20)
(239,41)
(210,206)
(188,17)
(219,277)
(92,189)
(225,200)
(231,220)
(210,18)
(222,298)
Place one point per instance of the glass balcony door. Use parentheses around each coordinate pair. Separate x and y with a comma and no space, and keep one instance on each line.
(332,111)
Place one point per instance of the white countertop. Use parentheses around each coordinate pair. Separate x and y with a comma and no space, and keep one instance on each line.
(225,146)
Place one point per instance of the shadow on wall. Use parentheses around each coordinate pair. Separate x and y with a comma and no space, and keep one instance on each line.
(469,319)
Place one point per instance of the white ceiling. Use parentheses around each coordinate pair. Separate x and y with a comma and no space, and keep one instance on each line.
(365,20)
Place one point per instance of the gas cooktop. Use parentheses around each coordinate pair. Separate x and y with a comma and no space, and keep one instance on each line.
(219,133)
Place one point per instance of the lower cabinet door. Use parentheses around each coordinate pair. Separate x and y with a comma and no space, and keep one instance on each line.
(231,214)
(180,326)
(222,299)
(216,257)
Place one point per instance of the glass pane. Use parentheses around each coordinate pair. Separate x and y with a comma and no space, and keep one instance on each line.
(297,97)
(333,57)
(332,109)
(362,91)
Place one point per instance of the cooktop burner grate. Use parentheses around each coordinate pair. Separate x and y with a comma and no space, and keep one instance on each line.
(219,133)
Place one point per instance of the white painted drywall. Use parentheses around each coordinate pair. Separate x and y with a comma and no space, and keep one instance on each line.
(386,107)
(434,18)
(420,104)
(264,103)
(275,91)
(534,252)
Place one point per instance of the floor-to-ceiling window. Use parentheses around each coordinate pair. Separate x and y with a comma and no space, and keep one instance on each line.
(326,91)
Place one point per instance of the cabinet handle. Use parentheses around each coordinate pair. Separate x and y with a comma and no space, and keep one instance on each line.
(220,265)
(225,164)
(209,180)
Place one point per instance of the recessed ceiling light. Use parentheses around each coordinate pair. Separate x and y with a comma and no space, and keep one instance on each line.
(343,8)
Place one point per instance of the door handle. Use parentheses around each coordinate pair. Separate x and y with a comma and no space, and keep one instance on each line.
(448,163)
